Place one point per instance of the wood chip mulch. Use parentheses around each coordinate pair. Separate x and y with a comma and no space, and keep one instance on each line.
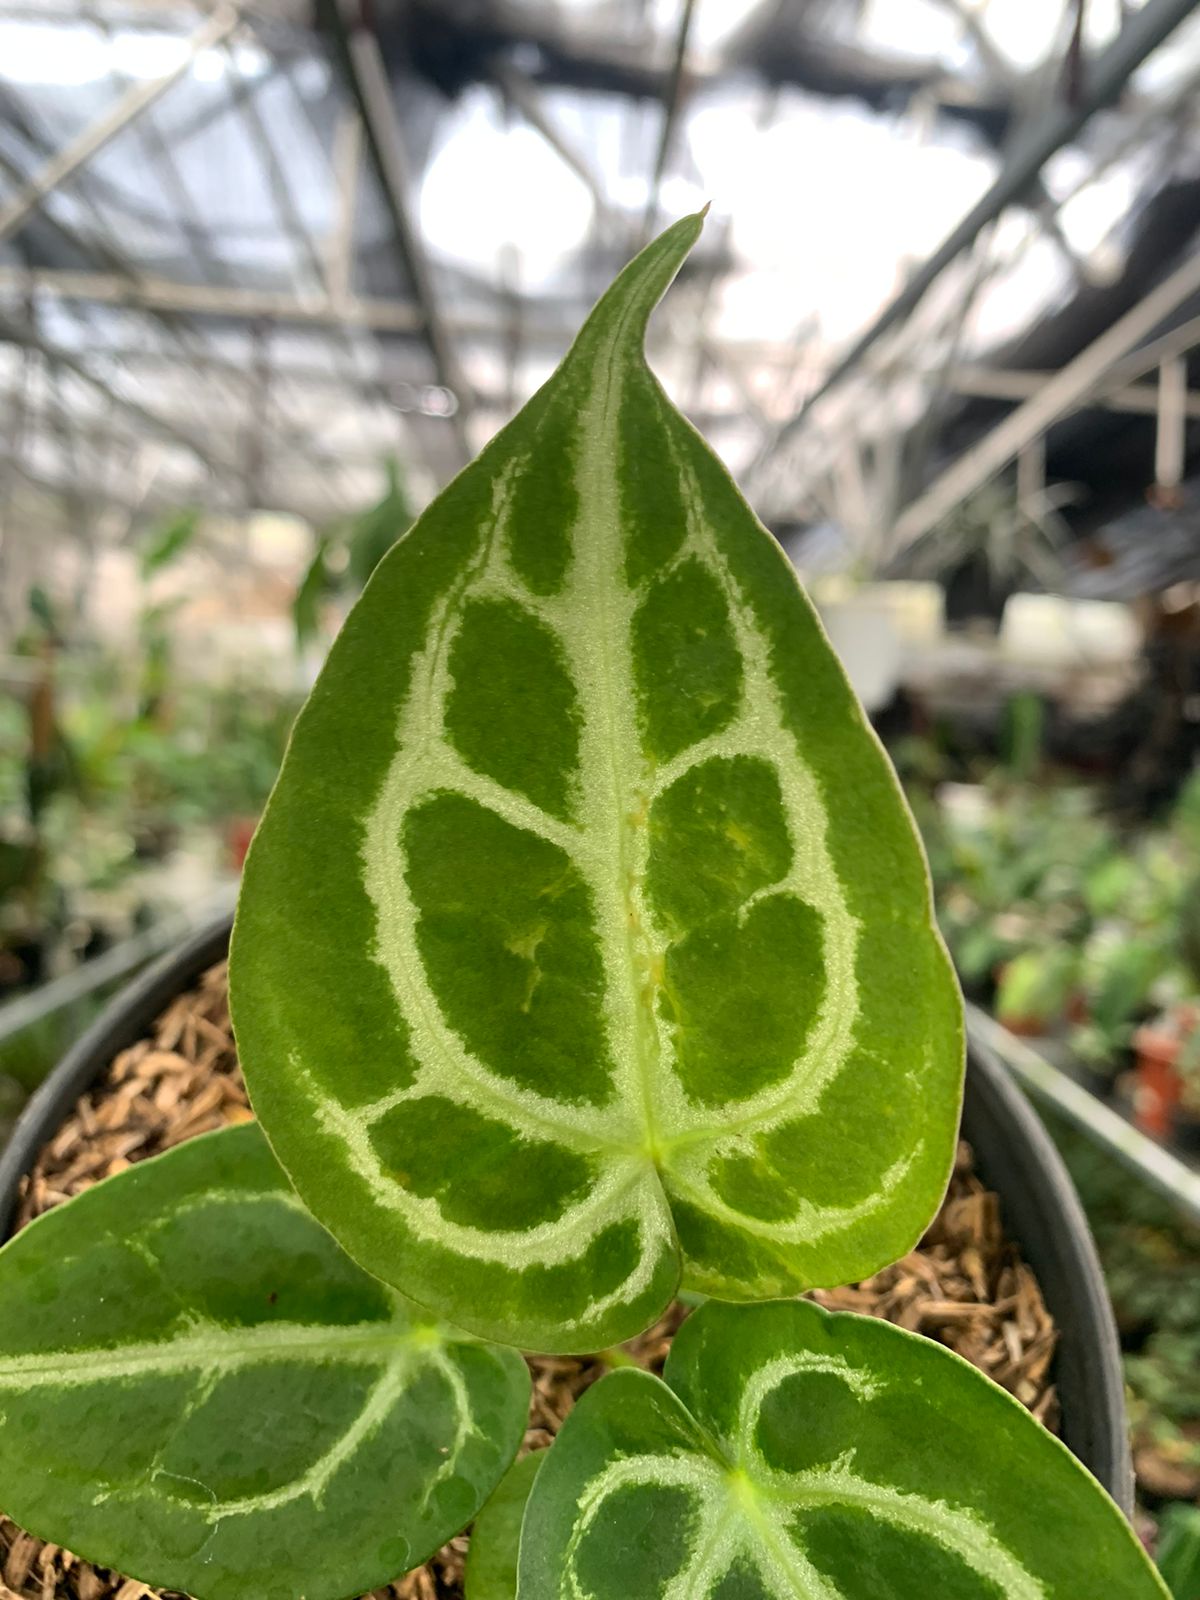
(965,1284)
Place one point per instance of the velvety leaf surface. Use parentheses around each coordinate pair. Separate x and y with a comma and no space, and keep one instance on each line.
(198,1387)
(586,939)
(802,1455)
(491,1572)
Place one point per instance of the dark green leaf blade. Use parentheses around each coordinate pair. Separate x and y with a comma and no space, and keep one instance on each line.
(491,1570)
(198,1388)
(803,1455)
(586,942)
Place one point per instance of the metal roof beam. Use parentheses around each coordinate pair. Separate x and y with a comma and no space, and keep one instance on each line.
(330,266)
(241,385)
(367,79)
(1106,76)
(14,333)
(126,109)
(1066,391)
(456,42)
(999,383)
(145,293)
(1117,391)
(175,320)
(339,253)
(523,94)
(672,104)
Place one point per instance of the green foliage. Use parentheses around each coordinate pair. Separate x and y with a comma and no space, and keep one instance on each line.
(580,791)
(369,537)
(491,1572)
(1023,734)
(109,761)
(198,1388)
(793,1452)
(346,555)
(216,758)
(1151,1260)
(313,589)
(1185,816)
(122,781)
(1179,1551)
(1023,869)
(1012,868)
(1118,971)
(1038,891)
(1189,929)
(43,613)
(166,544)
(1036,985)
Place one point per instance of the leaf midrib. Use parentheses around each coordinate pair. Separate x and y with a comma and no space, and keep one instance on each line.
(218,1346)
(599,433)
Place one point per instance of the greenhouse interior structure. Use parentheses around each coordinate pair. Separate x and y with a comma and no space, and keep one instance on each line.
(273,275)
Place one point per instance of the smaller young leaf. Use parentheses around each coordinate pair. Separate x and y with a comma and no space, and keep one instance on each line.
(794,1454)
(491,1572)
(198,1388)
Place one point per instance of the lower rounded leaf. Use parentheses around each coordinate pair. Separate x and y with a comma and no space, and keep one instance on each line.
(200,1389)
(794,1454)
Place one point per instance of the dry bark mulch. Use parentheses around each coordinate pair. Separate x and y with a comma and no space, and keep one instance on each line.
(965,1284)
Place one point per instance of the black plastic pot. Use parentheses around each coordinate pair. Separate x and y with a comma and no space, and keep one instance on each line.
(1014,1154)
(126,1019)
(1016,1157)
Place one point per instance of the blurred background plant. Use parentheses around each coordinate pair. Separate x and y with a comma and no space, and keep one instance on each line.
(1083,927)
(1151,1261)
(347,553)
(1060,917)
(133,769)
(129,786)
(1178,1550)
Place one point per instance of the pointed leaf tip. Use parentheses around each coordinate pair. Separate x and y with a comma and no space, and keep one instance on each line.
(621,314)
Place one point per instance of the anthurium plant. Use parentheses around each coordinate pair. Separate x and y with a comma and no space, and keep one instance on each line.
(584,957)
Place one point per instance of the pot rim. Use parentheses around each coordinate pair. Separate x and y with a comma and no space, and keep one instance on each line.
(124,1020)
(1014,1154)
(1044,1215)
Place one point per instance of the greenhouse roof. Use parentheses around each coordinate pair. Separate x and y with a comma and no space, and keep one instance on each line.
(250,251)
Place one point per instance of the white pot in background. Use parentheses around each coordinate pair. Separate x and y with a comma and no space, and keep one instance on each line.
(863,630)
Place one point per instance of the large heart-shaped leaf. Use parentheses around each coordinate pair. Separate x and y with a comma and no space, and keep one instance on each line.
(586,935)
(199,1388)
(803,1455)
